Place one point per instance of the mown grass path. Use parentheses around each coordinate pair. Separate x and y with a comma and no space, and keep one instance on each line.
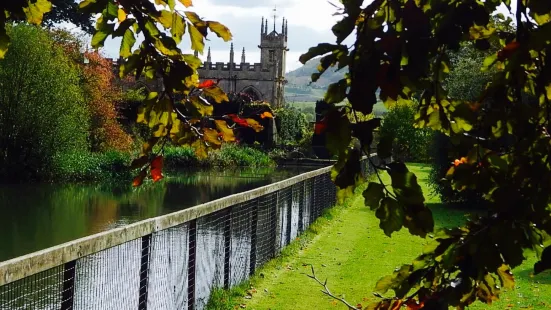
(352,253)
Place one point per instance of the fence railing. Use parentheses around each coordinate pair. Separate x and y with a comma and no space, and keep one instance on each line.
(172,261)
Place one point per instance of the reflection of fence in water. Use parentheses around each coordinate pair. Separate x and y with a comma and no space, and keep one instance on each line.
(173,261)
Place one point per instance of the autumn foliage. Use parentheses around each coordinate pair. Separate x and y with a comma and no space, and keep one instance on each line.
(102,94)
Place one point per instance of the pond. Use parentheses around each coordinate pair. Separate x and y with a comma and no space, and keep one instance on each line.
(38,216)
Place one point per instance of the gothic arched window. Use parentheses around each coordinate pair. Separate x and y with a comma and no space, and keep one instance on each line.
(252,92)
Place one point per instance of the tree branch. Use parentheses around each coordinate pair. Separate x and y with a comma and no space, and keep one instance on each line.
(327,292)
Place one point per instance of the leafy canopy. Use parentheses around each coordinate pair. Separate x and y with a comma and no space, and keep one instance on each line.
(403,48)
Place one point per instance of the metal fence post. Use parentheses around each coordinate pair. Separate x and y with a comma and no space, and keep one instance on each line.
(68,293)
(301,205)
(192,254)
(254,224)
(227,214)
(289,217)
(144,271)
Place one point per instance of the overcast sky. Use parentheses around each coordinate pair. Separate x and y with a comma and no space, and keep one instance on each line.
(310,23)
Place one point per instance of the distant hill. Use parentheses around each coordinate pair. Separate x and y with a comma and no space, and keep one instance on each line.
(302,75)
(297,88)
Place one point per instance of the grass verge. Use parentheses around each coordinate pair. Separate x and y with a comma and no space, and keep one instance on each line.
(352,253)
(236,296)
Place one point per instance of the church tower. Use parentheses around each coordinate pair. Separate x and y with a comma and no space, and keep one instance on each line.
(273,55)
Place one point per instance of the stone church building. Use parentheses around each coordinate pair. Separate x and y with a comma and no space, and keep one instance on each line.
(262,81)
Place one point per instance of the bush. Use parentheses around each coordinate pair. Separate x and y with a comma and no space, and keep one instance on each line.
(42,111)
(230,155)
(409,143)
(465,82)
(84,165)
(292,126)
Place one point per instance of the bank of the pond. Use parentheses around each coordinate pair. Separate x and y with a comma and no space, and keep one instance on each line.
(114,165)
(352,253)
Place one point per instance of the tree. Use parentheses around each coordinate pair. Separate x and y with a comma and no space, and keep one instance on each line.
(60,11)
(403,47)
(180,113)
(42,112)
(408,143)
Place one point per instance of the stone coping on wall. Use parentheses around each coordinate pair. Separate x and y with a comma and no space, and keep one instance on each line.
(33,263)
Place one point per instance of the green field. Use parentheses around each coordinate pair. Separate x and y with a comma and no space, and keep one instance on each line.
(378,109)
(352,253)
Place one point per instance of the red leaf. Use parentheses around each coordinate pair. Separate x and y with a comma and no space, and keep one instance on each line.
(138,180)
(508,50)
(240,121)
(157,168)
(320,127)
(206,83)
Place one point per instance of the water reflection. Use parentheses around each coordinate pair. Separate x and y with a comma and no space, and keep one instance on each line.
(37,216)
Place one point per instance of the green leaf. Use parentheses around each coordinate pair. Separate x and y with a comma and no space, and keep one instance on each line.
(488,62)
(129,65)
(151,29)
(373,195)
(216,93)
(384,284)
(545,261)
(121,29)
(384,147)
(102,32)
(165,18)
(364,132)
(338,132)
(343,28)
(320,49)
(111,11)
(419,220)
(336,92)
(198,107)
(4,40)
(127,43)
(91,6)
(35,11)
(192,61)
(220,30)
(197,42)
(391,215)
(506,277)
(405,185)
(178,28)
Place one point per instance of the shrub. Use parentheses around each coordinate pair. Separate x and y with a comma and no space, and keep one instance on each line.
(292,126)
(465,82)
(94,166)
(229,155)
(409,143)
(42,111)
(84,165)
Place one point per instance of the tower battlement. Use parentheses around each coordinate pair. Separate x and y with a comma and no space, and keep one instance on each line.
(262,80)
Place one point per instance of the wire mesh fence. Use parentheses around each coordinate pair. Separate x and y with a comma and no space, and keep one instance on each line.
(179,266)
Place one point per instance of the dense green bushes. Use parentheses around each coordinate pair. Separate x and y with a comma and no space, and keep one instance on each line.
(465,82)
(84,165)
(229,155)
(292,126)
(42,111)
(409,143)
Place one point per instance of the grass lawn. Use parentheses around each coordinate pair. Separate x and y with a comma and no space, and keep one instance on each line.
(352,253)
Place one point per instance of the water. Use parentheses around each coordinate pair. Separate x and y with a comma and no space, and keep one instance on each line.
(38,216)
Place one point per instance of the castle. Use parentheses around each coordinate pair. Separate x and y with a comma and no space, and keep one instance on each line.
(262,81)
